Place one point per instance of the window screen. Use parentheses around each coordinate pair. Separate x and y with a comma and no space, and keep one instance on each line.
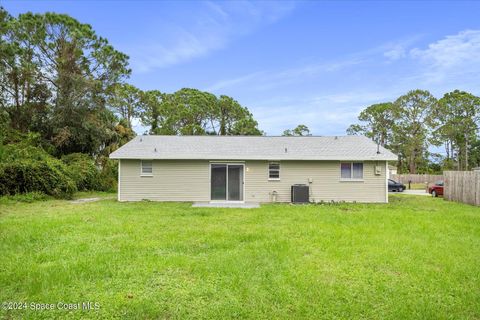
(357,170)
(351,170)
(346,170)
(147,167)
(274,170)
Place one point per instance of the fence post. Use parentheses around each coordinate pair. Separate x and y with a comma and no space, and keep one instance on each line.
(477,188)
(445,185)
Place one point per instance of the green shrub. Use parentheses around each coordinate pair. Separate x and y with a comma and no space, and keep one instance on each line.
(13,152)
(83,171)
(108,174)
(27,168)
(90,176)
(4,125)
(48,176)
(27,197)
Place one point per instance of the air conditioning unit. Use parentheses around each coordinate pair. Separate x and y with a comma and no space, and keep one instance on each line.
(300,193)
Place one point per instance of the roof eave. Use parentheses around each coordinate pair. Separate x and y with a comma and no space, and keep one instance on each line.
(250,159)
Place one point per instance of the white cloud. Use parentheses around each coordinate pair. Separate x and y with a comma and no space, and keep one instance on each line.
(270,79)
(328,114)
(349,84)
(396,53)
(208,30)
(461,49)
(327,96)
(451,62)
(349,97)
(187,46)
(398,49)
(234,81)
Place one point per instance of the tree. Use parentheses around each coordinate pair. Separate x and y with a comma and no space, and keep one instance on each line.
(458,115)
(230,118)
(4,125)
(186,112)
(474,153)
(301,130)
(126,101)
(413,113)
(23,93)
(194,112)
(121,135)
(377,123)
(151,110)
(246,126)
(57,75)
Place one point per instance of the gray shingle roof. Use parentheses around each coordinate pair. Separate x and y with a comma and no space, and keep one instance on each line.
(252,148)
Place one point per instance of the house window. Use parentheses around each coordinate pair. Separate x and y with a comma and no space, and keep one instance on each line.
(351,170)
(147,168)
(274,171)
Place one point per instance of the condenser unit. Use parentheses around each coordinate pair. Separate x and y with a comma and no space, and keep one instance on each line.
(300,193)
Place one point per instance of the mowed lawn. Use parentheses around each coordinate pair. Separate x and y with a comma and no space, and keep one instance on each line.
(417,257)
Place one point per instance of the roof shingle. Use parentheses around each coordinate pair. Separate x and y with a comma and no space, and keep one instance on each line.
(252,148)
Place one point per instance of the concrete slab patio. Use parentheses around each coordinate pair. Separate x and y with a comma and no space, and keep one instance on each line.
(246,205)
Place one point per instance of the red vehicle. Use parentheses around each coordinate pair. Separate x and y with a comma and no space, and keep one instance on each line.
(437,189)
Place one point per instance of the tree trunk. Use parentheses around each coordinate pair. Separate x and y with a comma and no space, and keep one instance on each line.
(223,130)
(17,119)
(412,166)
(466,152)
(154,124)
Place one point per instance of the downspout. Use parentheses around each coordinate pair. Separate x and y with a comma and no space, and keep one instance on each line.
(387,176)
(119,178)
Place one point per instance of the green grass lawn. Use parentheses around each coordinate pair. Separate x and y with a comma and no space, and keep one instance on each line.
(417,257)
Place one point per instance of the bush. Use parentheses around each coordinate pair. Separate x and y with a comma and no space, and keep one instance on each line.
(27,168)
(27,197)
(83,171)
(108,174)
(14,152)
(88,176)
(29,175)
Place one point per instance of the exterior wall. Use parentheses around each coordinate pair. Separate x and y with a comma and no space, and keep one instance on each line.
(172,180)
(189,180)
(326,184)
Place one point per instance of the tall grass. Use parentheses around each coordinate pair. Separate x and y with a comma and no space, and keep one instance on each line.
(417,257)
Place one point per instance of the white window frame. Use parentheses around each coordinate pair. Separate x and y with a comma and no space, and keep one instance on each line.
(145,174)
(279,170)
(351,171)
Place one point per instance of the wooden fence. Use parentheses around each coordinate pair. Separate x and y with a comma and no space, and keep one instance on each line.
(416,178)
(462,186)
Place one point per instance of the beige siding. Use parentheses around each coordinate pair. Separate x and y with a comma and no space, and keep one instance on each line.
(326,184)
(189,180)
(172,180)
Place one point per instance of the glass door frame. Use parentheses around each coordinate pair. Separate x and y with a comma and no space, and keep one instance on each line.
(226,163)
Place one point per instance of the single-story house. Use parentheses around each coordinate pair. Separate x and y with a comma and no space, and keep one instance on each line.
(252,168)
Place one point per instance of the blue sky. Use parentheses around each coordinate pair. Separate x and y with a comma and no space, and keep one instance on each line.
(315,63)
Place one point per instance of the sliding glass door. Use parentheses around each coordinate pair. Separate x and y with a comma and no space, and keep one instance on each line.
(219,181)
(226,182)
(235,182)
